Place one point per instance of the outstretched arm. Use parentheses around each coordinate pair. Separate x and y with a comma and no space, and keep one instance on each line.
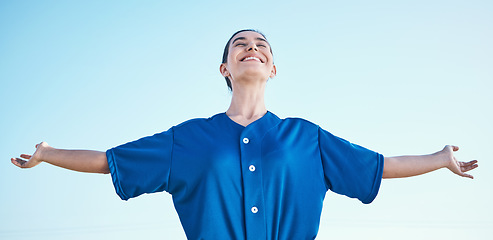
(407,166)
(77,160)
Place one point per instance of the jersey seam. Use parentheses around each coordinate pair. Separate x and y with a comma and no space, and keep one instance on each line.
(171,158)
(114,175)
(327,185)
(376,181)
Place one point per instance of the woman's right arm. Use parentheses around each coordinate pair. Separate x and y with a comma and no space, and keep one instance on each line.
(77,160)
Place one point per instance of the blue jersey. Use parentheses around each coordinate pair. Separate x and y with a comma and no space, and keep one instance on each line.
(264,181)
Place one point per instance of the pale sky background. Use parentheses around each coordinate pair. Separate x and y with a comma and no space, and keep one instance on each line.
(398,77)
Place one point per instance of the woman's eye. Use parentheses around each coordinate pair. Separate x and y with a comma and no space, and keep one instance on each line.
(240,44)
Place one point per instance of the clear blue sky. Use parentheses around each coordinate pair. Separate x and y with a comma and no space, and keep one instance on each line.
(398,77)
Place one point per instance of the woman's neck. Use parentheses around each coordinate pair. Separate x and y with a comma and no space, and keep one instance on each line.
(247,105)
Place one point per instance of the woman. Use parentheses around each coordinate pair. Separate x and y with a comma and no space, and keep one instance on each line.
(245,173)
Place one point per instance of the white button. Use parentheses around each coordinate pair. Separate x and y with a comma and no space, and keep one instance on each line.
(246,140)
(251,168)
(254,209)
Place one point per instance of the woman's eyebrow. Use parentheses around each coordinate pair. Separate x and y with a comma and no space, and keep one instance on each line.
(239,38)
(261,39)
(243,38)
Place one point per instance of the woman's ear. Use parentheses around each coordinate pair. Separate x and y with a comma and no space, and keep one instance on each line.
(224,71)
(273,72)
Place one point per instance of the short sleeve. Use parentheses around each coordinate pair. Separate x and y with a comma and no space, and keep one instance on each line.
(350,169)
(141,166)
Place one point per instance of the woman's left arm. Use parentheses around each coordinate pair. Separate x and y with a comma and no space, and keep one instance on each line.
(408,166)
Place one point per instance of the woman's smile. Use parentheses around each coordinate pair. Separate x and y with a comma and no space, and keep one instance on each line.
(251,58)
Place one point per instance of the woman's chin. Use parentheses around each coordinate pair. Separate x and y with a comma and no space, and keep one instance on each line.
(253,74)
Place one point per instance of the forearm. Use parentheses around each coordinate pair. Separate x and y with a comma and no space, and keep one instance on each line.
(408,166)
(77,160)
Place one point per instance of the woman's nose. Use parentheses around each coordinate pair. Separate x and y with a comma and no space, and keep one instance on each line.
(252,47)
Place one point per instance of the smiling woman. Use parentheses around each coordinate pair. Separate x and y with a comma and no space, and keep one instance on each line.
(246,173)
(263,39)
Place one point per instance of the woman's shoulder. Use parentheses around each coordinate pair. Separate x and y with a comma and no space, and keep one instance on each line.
(198,121)
(300,121)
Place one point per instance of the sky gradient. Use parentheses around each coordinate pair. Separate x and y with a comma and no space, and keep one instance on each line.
(398,77)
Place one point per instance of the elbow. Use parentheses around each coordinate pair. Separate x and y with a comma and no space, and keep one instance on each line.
(102,165)
(106,171)
(387,168)
(385,175)
(105,168)
(98,169)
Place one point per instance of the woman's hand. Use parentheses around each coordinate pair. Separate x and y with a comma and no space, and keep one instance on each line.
(77,160)
(408,166)
(31,160)
(457,167)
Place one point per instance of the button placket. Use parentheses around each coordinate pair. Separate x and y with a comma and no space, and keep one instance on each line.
(252,185)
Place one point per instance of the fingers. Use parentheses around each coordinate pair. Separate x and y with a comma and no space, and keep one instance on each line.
(464,164)
(28,161)
(450,148)
(18,162)
(466,175)
(468,166)
(44,144)
(460,168)
(465,167)
(454,148)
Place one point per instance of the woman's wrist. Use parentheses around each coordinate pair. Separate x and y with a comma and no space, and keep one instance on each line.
(43,152)
(445,157)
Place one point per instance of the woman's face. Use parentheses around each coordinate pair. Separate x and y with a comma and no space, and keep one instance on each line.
(249,58)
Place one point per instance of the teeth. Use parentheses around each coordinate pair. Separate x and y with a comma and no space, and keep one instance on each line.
(251,58)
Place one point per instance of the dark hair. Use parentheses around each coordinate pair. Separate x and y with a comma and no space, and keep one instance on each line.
(226,50)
